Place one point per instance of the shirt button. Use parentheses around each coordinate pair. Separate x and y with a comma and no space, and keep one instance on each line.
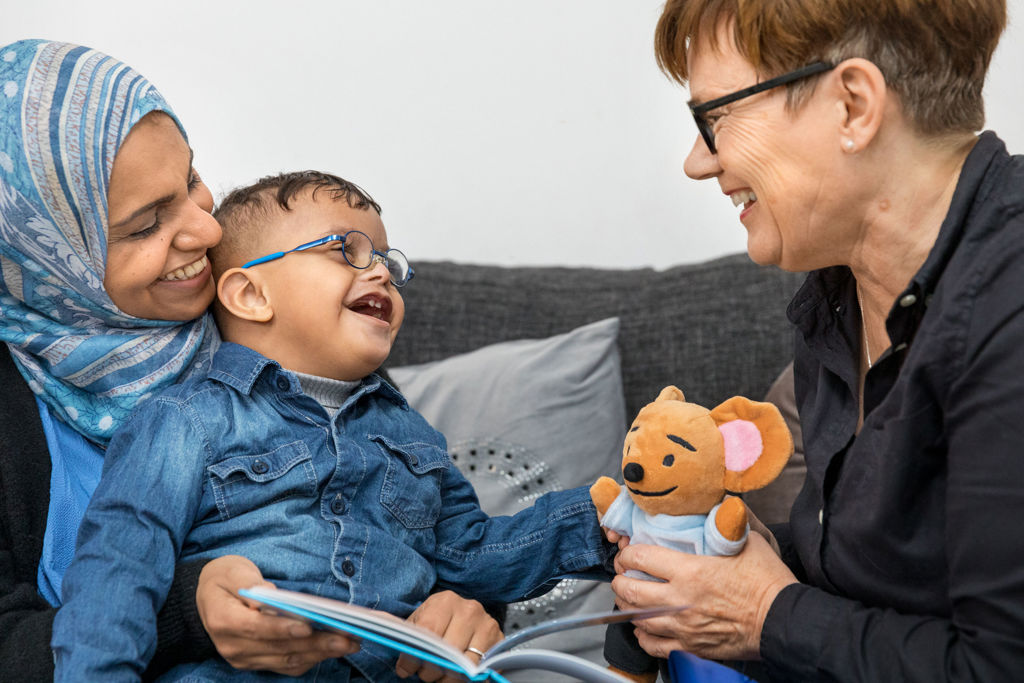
(338,504)
(821,516)
(908,300)
(348,567)
(260,467)
(282,384)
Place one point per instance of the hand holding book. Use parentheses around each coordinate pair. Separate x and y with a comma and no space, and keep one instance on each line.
(403,637)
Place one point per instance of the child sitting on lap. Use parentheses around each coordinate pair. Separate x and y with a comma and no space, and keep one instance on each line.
(292,452)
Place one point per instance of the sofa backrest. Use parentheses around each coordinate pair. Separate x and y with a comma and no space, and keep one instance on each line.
(715,329)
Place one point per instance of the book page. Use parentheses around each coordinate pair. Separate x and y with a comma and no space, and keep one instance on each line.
(551,660)
(577,621)
(362,622)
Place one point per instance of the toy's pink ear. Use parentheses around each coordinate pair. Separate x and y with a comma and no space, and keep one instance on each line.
(743,444)
(757,442)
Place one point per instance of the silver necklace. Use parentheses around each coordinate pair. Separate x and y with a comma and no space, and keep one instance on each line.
(864,329)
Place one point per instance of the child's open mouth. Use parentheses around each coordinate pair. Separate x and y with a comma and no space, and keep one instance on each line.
(373,305)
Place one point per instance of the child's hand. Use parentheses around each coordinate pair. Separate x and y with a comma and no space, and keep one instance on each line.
(250,639)
(463,623)
(615,537)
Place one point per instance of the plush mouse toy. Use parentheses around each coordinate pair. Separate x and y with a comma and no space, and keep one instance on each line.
(678,461)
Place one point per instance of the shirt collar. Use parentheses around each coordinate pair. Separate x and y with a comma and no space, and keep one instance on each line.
(973,188)
(241,368)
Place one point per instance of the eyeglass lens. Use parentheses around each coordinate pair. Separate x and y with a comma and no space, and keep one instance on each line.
(359,252)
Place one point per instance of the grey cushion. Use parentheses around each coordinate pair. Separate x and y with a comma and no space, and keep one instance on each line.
(715,329)
(773,503)
(526,417)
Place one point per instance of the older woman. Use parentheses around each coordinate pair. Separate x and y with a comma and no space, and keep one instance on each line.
(845,130)
(104,284)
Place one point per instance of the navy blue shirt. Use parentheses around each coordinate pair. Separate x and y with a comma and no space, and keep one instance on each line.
(908,535)
(363,506)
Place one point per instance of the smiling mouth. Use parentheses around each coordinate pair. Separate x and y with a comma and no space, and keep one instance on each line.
(186,272)
(374,306)
(652,493)
(743,197)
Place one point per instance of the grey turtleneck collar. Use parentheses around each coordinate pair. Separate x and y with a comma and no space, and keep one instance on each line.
(329,393)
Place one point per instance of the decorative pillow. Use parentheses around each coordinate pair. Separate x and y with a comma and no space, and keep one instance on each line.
(526,417)
(772,503)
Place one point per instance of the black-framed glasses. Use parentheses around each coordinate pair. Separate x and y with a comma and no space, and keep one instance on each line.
(357,248)
(699,110)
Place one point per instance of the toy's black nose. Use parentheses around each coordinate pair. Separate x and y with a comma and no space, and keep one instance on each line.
(633,472)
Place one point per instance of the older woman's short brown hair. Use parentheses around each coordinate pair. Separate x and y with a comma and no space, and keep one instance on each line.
(933,53)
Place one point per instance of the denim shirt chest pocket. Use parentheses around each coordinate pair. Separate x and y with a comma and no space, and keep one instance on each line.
(412,483)
(244,483)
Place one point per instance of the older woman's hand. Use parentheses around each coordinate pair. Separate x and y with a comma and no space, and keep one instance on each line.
(250,639)
(728,598)
(463,623)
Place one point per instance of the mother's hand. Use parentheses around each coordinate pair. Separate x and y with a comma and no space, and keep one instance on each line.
(728,598)
(250,639)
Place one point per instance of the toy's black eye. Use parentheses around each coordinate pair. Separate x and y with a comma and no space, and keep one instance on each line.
(669,459)
(635,428)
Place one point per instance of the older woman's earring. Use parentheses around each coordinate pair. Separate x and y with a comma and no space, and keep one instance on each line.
(848,145)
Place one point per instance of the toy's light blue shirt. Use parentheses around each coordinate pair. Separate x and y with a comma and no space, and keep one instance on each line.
(363,506)
(694,534)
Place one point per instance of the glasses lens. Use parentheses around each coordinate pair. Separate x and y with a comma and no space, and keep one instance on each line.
(398,266)
(358,249)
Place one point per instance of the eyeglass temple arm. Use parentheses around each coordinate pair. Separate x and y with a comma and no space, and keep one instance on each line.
(808,70)
(264,259)
(279,254)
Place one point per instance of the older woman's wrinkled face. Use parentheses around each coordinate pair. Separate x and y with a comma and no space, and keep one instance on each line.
(160,226)
(775,164)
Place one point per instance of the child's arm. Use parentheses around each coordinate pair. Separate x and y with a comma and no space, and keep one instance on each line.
(514,557)
(128,545)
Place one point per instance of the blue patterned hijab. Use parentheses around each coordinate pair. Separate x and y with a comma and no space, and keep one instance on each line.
(64,112)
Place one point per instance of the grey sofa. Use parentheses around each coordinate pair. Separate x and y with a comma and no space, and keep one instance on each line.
(715,329)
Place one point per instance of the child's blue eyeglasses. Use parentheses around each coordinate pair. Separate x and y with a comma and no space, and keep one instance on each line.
(357,248)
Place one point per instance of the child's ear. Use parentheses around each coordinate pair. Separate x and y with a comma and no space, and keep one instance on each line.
(244,294)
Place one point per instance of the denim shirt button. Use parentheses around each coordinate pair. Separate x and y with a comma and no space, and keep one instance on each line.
(282,383)
(338,504)
(260,467)
(348,567)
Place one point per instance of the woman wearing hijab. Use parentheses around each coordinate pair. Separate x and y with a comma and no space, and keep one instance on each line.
(104,285)
(846,131)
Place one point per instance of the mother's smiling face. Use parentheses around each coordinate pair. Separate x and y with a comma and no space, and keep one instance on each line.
(160,226)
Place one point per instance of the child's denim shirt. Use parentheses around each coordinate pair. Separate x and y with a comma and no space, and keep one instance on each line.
(364,506)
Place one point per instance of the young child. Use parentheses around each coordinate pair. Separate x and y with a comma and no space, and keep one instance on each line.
(293,453)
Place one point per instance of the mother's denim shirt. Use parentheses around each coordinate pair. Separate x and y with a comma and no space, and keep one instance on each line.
(364,506)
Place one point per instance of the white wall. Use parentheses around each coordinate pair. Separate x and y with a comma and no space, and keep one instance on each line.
(527,132)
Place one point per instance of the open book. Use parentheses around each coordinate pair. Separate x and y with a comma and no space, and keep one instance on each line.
(399,635)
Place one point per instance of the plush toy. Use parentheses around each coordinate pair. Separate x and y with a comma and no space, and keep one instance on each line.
(678,461)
